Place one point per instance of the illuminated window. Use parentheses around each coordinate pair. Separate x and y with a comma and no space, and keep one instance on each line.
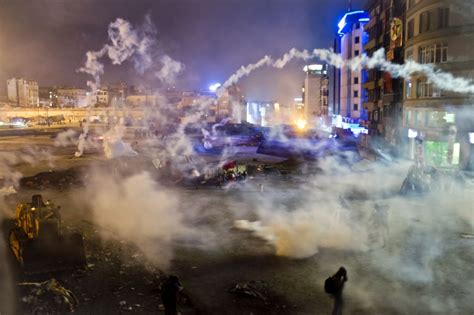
(408,89)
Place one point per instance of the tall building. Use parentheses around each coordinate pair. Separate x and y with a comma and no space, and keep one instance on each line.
(383,95)
(347,84)
(315,92)
(24,93)
(440,32)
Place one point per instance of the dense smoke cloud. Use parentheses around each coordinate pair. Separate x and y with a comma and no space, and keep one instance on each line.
(140,211)
(169,70)
(114,146)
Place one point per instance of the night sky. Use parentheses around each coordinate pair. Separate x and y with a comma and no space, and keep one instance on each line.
(46,40)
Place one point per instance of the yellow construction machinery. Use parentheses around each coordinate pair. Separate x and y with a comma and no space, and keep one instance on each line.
(38,243)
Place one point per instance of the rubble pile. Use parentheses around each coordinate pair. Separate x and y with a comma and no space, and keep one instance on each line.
(48,297)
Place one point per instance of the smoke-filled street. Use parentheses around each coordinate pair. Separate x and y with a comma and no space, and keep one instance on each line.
(236,157)
(136,229)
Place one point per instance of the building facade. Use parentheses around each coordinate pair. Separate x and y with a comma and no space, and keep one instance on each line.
(263,113)
(440,32)
(231,104)
(24,93)
(72,97)
(347,83)
(383,95)
(315,92)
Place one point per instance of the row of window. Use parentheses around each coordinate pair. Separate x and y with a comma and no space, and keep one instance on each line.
(429,21)
(418,118)
(433,53)
(424,89)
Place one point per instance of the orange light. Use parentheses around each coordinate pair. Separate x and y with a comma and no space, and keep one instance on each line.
(301,124)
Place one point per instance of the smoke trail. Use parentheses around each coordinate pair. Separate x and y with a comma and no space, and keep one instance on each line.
(126,43)
(443,80)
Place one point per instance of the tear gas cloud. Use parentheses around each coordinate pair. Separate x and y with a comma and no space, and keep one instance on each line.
(139,210)
(331,210)
(113,144)
(127,42)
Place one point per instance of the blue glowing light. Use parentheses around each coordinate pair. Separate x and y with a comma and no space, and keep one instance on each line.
(214,87)
(351,17)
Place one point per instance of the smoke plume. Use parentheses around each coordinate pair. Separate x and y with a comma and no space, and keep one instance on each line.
(139,210)
(127,42)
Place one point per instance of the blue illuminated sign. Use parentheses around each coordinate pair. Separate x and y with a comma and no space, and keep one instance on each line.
(350,18)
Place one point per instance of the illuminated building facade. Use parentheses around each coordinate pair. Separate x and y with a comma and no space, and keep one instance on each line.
(72,97)
(315,92)
(383,95)
(263,113)
(440,32)
(347,84)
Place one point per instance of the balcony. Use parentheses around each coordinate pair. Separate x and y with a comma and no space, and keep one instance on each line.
(370,85)
(391,98)
(370,45)
(369,106)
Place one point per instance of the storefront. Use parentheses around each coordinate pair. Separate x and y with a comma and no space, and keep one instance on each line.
(445,137)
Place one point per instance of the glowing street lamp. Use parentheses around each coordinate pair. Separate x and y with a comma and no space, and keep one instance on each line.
(301,124)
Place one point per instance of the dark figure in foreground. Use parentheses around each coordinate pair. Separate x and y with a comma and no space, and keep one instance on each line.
(169,295)
(334,286)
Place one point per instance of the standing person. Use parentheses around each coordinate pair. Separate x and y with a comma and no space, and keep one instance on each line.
(169,295)
(334,286)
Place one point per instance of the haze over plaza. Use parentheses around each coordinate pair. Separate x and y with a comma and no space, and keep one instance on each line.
(236,157)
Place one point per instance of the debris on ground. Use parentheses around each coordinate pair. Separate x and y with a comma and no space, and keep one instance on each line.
(259,291)
(52,179)
(253,289)
(48,297)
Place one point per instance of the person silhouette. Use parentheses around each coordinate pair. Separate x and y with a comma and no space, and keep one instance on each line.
(334,286)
